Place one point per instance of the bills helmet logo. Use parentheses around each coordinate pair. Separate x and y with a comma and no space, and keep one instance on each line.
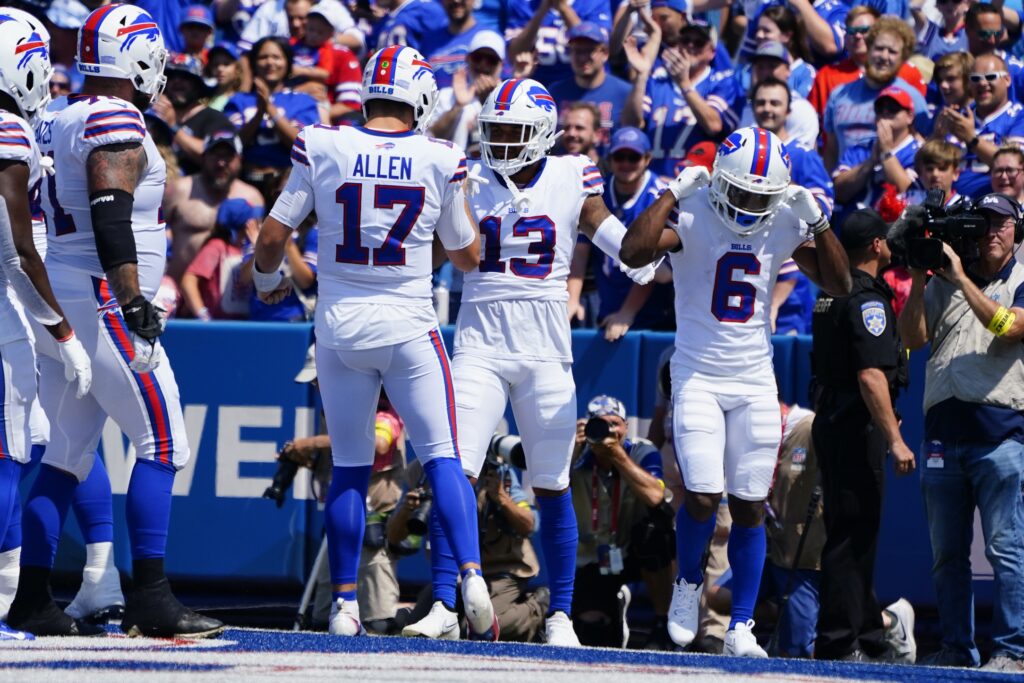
(730,144)
(541,98)
(142,27)
(34,46)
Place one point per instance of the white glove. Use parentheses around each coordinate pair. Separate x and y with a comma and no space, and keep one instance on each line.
(148,355)
(77,366)
(689,180)
(46,165)
(475,181)
(643,274)
(806,208)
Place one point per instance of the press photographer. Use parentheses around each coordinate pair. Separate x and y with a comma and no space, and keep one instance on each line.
(625,527)
(972,313)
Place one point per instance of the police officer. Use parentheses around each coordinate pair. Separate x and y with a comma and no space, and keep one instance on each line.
(856,359)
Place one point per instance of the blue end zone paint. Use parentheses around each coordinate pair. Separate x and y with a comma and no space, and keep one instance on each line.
(120,664)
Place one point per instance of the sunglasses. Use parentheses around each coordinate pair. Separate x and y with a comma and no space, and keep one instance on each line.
(991,77)
(627,157)
(858,30)
(62,86)
(989,34)
(947,2)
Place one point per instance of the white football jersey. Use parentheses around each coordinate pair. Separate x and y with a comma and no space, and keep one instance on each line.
(45,184)
(379,197)
(17,143)
(88,122)
(723,288)
(527,255)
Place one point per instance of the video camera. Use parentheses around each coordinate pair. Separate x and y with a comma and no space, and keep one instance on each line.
(916,238)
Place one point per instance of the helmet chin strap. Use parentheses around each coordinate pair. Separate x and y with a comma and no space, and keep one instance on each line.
(519,198)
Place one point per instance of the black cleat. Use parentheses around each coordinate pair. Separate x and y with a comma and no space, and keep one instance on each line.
(153,611)
(47,619)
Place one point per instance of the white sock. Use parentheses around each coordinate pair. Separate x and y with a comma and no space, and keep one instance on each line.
(99,556)
(10,570)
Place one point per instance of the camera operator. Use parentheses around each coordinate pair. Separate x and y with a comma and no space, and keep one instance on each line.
(507,558)
(857,363)
(973,315)
(625,526)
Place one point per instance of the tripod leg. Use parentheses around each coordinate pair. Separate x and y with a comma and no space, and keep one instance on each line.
(307,593)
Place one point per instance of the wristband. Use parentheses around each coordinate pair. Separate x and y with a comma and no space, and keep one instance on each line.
(174,130)
(203,314)
(266,282)
(1002,321)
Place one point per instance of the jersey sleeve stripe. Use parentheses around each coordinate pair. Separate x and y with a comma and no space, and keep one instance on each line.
(591,184)
(113,113)
(459,176)
(299,157)
(300,143)
(96,131)
(14,142)
(11,125)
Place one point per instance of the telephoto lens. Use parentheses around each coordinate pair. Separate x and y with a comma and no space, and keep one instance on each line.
(419,521)
(597,430)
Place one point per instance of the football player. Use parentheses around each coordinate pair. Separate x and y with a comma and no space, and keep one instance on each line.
(512,340)
(726,250)
(381,192)
(106,256)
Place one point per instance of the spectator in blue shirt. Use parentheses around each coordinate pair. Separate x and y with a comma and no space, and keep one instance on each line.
(270,116)
(409,23)
(779,24)
(950,87)
(986,32)
(300,266)
(540,26)
(936,39)
(588,56)
(446,50)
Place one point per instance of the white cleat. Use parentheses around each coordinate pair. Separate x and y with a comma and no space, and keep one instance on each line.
(345,619)
(682,614)
(900,635)
(558,631)
(440,624)
(476,599)
(740,642)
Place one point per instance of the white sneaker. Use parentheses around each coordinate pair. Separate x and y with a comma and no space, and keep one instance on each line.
(476,600)
(440,623)
(682,613)
(624,596)
(558,631)
(900,635)
(740,642)
(101,586)
(345,619)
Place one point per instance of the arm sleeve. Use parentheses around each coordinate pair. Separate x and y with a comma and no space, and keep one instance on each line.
(454,226)
(296,200)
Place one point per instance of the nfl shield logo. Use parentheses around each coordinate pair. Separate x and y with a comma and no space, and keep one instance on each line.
(873,315)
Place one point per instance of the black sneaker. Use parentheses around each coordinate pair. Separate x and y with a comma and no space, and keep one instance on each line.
(46,619)
(153,611)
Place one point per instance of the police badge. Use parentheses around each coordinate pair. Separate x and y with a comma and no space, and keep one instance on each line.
(873,315)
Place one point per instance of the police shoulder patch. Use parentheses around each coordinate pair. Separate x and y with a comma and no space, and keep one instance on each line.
(873,315)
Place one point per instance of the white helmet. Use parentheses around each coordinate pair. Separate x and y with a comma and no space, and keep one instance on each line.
(401,74)
(517,102)
(25,68)
(26,18)
(749,179)
(123,41)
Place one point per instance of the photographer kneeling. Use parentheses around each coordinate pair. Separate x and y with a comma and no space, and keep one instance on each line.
(973,315)
(625,526)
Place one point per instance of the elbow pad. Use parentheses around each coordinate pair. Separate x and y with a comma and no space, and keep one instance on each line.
(111,213)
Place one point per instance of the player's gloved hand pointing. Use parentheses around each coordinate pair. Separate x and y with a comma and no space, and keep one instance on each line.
(806,208)
(475,181)
(77,366)
(689,180)
(146,325)
(643,274)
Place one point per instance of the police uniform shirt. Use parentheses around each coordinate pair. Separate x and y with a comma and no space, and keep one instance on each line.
(854,333)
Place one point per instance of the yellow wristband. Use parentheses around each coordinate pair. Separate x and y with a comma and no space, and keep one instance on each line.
(1002,321)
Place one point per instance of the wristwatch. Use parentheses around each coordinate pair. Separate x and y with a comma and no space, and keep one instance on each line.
(973,142)
(888,155)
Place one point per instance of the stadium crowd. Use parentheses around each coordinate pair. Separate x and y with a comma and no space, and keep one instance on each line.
(876,103)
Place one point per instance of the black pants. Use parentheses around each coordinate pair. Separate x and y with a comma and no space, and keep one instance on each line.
(852,454)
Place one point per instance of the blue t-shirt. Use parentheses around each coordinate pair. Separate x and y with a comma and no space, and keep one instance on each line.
(609,98)
(896,8)
(268,149)
(808,170)
(932,44)
(168,15)
(447,52)
(832,11)
(801,78)
(291,308)
(872,192)
(411,24)
(850,112)
(491,14)
(1005,125)
(552,60)
(671,125)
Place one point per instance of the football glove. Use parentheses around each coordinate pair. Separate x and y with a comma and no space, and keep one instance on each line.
(643,274)
(145,324)
(689,180)
(77,366)
(806,208)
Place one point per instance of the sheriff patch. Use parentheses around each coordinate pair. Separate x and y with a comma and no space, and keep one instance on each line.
(873,315)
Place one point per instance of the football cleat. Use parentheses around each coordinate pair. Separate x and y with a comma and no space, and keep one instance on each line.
(740,642)
(440,624)
(476,598)
(345,619)
(558,631)
(153,611)
(682,614)
(46,619)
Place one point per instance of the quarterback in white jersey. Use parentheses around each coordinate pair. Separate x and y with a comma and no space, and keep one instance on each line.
(512,339)
(381,192)
(726,250)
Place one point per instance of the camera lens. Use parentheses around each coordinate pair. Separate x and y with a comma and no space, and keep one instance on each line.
(597,429)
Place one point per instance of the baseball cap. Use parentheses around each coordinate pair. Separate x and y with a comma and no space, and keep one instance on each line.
(605,405)
(701,154)
(225,46)
(198,14)
(861,228)
(587,30)
(677,5)
(901,97)
(331,12)
(308,372)
(999,203)
(488,40)
(222,137)
(630,138)
(233,214)
(187,64)
(702,27)
(773,49)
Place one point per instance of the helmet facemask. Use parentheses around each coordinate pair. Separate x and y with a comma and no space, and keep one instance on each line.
(746,205)
(518,152)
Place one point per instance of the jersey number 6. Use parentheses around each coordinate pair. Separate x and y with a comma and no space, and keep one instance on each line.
(732,300)
(390,252)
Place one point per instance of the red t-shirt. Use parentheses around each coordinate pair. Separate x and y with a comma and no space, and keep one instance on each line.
(208,266)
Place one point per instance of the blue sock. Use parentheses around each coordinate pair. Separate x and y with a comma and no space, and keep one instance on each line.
(345,517)
(455,504)
(747,547)
(12,539)
(148,508)
(559,537)
(34,458)
(444,573)
(93,507)
(10,476)
(44,514)
(691,540)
